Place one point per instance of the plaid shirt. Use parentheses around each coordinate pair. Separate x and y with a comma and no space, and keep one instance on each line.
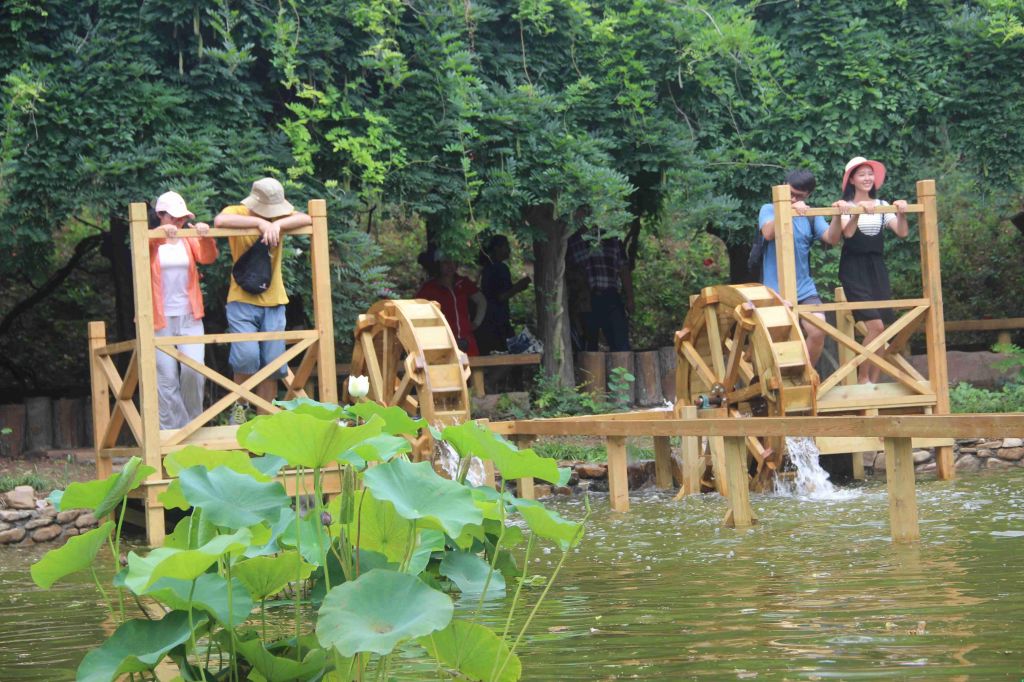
(602,262)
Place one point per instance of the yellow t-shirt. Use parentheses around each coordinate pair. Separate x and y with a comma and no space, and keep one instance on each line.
(275,294)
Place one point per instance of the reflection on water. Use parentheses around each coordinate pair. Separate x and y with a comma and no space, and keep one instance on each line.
(816,591)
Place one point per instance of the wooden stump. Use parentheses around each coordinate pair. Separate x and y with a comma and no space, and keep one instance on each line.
(13,418)
(627,360)
(618,474)
(899,479)
(67,423)
(648,379)
(592,369)
(667,366)
(39,417)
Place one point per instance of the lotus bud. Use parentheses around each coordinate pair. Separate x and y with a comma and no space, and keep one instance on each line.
(358,387)
(124,560)
(325,518)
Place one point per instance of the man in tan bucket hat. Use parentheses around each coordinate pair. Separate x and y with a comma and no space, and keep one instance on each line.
(267,210)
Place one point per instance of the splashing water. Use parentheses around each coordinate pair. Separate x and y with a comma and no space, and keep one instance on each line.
(811,481)
(450,463)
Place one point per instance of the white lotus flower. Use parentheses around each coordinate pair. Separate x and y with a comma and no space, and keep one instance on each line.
(358,387)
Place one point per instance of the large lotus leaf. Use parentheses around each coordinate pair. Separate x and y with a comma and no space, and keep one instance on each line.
(430,541)
(396,420)
(308,535)
(472,439)
(103,496)
(268,465)
(278,669)
(474,651)
(265,576)
(378,449)
(210,594)
(191,532)
(172,497)
(419,493)
(469,573)
(511,537)
(313,408)
(137,645)
(78,553)
(271,545)
(191,455)
(303,440)
(379,609)
(549,524)
(378,526)
(233,500)
(185,564)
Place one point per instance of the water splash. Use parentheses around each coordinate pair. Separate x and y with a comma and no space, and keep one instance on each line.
(450,462)
(811,481)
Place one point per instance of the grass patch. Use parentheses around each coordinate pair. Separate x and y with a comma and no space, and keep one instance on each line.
(8,482)
(585,452)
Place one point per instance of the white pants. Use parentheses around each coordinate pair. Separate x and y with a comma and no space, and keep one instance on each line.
(180,388)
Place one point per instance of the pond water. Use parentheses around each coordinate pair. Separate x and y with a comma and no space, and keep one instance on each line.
(816,591)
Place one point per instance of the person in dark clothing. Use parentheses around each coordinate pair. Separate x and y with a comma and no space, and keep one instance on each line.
(497,287)
(862,268)
(611,289)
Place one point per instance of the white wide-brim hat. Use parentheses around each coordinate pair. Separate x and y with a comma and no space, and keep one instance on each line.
(267,199)
(173,204)
(858,161)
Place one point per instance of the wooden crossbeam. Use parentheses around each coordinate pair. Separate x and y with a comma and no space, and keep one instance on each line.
(117,348)
(123,391)
(698,363)
(160,233)
(896,304)
(219,379)
(828,211)
(286,336)
(296,382)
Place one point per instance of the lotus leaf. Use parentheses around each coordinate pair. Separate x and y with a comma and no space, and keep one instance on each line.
(549,524)
(268,465)
(190,456)
(103,496)
(472,439)
(379,609)
(313,408)
(186,564)
(77,554)
(396,420)
(417,492)
(303,440)
(191,532)
(469,572)
(277,669)
(172,497)
(265,576)
(230,499)
(474,651)
(378,526)
(135,646)
(314,537)
(210,594)
(378,449)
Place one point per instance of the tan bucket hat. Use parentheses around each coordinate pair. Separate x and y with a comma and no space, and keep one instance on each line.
(267,199)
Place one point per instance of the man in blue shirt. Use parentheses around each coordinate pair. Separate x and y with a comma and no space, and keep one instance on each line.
(805,233)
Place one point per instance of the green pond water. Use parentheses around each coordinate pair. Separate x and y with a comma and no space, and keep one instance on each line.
(815,592)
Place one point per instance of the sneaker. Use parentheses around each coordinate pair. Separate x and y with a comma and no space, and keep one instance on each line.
(238,415)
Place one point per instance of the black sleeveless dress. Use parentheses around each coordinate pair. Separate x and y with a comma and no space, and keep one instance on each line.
(862,270)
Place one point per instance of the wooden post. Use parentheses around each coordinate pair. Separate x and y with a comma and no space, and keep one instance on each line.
(524,486)
(39,420)
(845,324)
(626,360)
(740,514)
(899,478)
(618,474)
(149,408)
(100,398)
(662,462)
(648,379)
(692,460)
(323,317)
(716,444)
(857,458)
(785,247)
(934,325)
(667,365)
(1004,338)
(592,367)
(476,378)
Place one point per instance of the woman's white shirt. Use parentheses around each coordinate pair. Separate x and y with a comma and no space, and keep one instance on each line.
(872,223)
(174,263)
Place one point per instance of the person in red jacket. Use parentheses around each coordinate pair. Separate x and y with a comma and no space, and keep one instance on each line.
(454,292)
(178,307)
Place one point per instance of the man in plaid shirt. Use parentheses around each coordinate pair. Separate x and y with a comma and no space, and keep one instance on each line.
(611,289)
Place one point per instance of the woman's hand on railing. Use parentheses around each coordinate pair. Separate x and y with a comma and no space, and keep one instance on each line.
(843,206)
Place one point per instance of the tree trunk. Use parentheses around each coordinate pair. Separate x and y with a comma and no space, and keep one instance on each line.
(552,298)
(116,249)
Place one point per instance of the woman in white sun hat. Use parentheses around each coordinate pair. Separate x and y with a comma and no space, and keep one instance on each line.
(862,268)
(178,307)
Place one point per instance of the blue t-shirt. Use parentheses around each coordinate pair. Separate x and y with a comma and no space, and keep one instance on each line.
(804,239)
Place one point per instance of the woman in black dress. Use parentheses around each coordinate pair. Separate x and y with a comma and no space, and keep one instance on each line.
(496,285)
(862,268)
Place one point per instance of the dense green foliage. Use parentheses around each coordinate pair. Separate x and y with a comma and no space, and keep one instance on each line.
(965,398)
(665,119)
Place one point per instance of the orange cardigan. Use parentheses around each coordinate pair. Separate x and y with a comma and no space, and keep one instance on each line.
(203,251)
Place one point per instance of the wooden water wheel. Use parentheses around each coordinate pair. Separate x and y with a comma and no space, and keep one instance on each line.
(741,350)
(409,353)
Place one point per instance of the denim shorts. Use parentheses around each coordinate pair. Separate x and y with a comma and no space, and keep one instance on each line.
(247,357)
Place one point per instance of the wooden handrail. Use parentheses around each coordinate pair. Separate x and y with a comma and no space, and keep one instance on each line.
(829,211)
(286,336)
(860,305)
(158,233)
(116,348)
(985,325)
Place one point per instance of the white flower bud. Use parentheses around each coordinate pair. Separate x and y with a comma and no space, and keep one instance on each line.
(358,387)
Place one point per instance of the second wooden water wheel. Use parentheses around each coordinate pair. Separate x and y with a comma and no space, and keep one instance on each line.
(741,350)
(409,353)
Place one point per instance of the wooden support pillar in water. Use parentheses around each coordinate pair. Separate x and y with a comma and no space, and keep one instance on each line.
(662,462)
(692,460)
(618,475)
(899,478)
(524,486)
(740,515)
(716,444)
